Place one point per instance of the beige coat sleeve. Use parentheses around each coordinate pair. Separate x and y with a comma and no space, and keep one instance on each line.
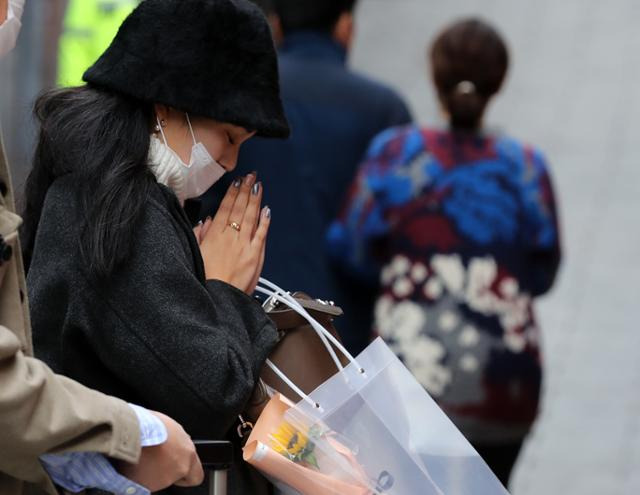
(41,412)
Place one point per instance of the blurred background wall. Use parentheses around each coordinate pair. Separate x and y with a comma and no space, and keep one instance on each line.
(572,91)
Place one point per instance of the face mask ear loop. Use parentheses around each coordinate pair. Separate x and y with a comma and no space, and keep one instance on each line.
(161,131)
(193,136)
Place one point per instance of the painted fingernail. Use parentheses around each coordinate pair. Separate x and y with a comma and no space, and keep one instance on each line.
(267,212)
(237,182)
(255,189)
(199,224)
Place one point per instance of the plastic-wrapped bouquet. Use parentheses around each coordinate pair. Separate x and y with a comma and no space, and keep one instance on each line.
(300,454)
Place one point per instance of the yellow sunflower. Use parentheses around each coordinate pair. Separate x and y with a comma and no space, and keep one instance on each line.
(293,444)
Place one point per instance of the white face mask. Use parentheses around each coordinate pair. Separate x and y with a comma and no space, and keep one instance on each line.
(10,28)
(202,172)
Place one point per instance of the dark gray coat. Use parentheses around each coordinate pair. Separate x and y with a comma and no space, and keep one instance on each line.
(156,333)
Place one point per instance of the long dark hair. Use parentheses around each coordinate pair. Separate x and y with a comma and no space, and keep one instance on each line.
(469,61)
(103,139)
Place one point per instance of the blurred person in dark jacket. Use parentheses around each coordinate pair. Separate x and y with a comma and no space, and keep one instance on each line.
(334,113)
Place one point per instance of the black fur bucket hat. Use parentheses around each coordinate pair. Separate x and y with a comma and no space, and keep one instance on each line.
(213,58)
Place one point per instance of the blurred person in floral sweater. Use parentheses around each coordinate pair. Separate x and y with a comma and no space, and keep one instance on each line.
(460,227)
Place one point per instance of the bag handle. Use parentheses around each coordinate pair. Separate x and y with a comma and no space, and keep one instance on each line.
(284,297)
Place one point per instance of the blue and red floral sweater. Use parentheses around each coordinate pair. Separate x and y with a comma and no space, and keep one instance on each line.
(460,230)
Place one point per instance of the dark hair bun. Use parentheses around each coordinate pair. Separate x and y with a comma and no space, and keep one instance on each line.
(469,61)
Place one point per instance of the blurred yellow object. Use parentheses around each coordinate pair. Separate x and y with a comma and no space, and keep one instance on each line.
(289,442)
(89,28)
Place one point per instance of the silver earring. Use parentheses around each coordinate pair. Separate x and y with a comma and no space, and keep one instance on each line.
(163,123)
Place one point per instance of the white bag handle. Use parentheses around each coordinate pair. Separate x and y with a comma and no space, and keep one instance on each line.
(284,297)
(287,299)
(300,310)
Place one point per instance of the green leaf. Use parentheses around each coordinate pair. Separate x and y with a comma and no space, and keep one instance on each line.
(311,460)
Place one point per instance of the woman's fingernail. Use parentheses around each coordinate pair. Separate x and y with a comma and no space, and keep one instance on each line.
(267,212)
(199,224)
(255,189)
(237,182)
(208,219)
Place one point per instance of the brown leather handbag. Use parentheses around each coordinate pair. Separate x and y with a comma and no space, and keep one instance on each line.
(300,354)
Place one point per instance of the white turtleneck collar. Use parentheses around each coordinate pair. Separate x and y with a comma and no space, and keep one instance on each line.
(167,167)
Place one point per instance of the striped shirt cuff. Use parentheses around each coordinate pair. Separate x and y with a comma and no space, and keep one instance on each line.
(77,471)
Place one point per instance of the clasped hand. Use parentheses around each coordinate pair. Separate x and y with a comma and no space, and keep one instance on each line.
(233,243)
